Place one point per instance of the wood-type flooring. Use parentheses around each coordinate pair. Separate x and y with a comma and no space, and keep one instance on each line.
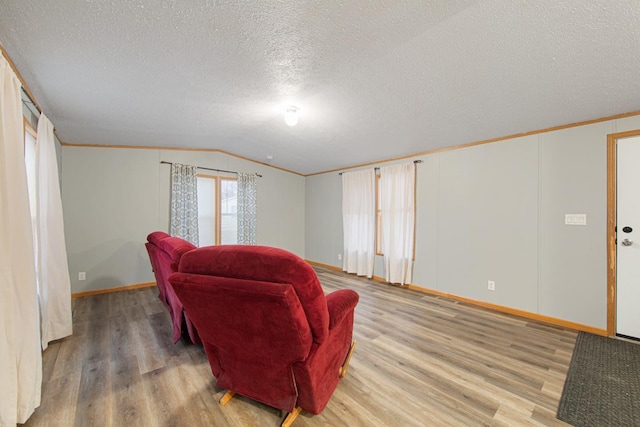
(421,360)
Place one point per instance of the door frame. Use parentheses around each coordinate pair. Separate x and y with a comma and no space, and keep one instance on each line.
(612,145)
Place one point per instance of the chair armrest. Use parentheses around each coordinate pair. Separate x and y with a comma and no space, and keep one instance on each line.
(339,304)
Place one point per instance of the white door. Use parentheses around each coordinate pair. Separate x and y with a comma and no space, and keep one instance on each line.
(628,237)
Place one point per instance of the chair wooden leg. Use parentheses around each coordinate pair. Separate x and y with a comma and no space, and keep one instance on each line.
(345,365)
(227,397)
(291,417)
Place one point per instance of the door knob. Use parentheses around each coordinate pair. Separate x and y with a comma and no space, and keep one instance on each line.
(627,242)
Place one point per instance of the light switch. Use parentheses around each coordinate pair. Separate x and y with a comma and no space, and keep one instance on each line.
(575,219)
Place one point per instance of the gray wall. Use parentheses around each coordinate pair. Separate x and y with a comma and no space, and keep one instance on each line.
(573,259)
(114,197)
(323,207)
(488,212)
(496,212)
(487,222)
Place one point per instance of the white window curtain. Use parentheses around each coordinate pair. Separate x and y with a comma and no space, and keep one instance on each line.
(184,202)
(247,208)
(358,221)
(397,204)
(52,271)
(20,352)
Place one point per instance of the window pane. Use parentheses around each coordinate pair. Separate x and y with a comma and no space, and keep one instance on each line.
(229,211)
(206,211)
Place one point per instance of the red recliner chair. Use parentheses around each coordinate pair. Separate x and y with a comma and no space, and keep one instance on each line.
(165,253)
(269,331)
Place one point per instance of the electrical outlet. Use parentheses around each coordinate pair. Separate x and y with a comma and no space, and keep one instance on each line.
(82,276)
(491,285)
(339,257)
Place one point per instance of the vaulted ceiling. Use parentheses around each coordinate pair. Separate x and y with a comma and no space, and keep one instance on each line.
(373,79)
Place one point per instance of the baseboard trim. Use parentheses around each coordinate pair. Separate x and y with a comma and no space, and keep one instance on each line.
(500,308)
(514,311)
(112,290)
(334,268)
(327,266)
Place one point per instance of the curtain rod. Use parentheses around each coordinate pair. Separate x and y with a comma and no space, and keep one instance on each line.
(210,169)
(30,100)
(378,168)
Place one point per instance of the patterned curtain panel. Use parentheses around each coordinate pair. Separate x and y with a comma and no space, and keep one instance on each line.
(184,202)
(247,208)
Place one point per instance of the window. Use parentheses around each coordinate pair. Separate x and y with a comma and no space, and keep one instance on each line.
(30,162)
(207,190)
(379,250)
(378,218)
(228,211)
(217,210)
(397,199)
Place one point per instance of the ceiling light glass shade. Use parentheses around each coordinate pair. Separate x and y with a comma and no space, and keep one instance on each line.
(291,116)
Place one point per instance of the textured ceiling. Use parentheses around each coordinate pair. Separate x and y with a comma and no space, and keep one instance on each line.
(373,79)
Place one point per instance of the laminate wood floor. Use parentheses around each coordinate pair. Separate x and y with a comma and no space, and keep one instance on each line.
(421,360)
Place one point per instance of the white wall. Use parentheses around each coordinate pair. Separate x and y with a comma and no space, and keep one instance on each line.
(114,197)
(496,212)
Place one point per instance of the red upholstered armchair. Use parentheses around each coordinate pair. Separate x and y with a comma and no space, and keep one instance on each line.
(269,331)
(165,253)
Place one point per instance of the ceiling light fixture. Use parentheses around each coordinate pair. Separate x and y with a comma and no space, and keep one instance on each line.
(291,115)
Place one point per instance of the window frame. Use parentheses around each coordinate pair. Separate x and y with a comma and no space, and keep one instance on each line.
(27,127)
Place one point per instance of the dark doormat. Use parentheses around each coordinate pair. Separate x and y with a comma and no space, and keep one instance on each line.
(603,383)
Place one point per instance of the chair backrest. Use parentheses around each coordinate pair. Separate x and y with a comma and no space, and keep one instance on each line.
(155,255)
(263,319)
(252,331)
(265,265)
(165,253)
